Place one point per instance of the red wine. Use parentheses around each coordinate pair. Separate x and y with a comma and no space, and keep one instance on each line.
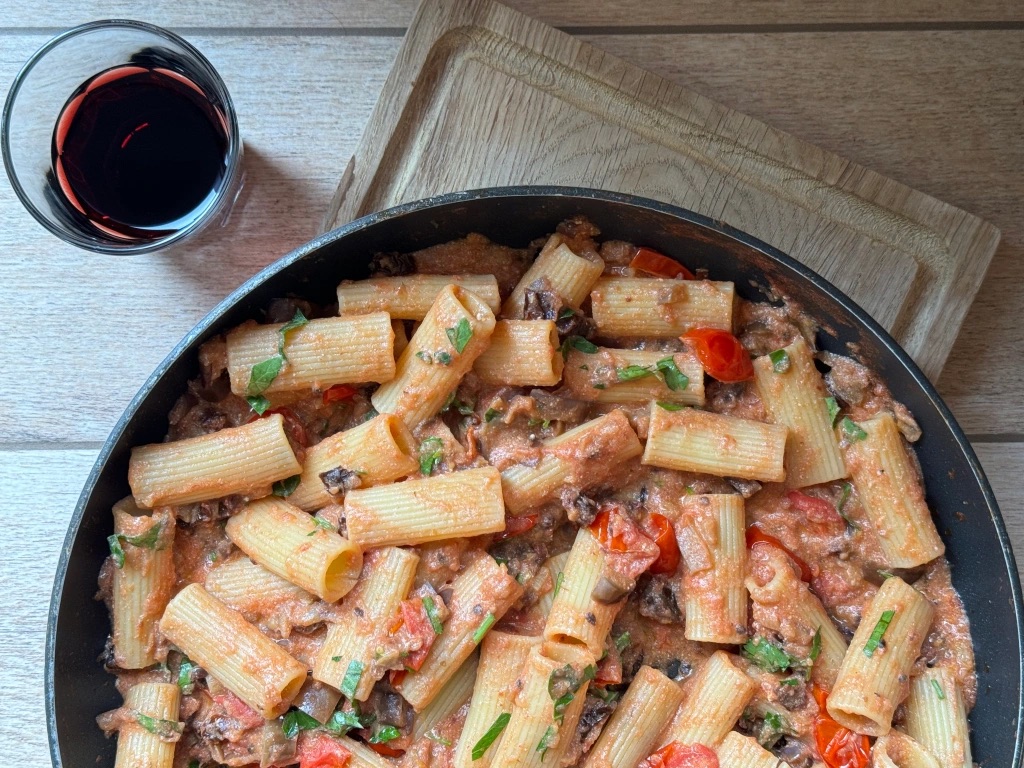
(139,152)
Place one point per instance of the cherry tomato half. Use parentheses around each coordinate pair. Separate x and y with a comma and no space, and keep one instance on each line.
(756,536)
(337,393)
(660,529)
(318,750)
(516,525)
(654,263)
(676,755)
(838,746)
(817,510)
(721,354)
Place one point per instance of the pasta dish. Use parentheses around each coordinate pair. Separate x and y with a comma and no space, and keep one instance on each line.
(565,505)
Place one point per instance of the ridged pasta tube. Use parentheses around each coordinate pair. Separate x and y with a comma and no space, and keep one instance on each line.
(937,717)
(410,297)
(642,306)
(558,270)
(138,746)
(715,699)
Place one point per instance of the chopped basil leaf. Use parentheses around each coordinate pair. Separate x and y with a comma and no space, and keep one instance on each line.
(670,406)
(335,658)
(388,732)
(816,644)
(165,729)
(561,703)
(767,655)
(488,622)
(435,619)
(604,694)
(545,741)
(186,675)
(938,689)
(343,722)
(297,321)
(285,488)
(780,360)
(321,525)
(631,372)
(674,378)
(442,358)
(460,335)
(773,720)
(600,386)
(791,681)
(771,730)
(492,733)
(844,498)
(426,357)
(296,721)
(579,343)
(558,583)
(464,409)
(852,430)
(434,736)
(259,404)
(351,680)
(566,313)
(622,642)
(491,414)
(116,551)
(885,574)
(262,375)
(876,634)
(833,409)
(431,452)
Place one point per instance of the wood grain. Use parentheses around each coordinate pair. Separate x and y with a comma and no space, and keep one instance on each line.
(335,14)
(482,96)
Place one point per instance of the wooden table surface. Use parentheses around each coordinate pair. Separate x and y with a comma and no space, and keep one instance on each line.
(930,92)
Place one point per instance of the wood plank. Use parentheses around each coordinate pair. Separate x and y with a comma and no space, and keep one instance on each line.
(32,542)
(837,107)
(947,122)
(98,325)
(584,118)
(397,13)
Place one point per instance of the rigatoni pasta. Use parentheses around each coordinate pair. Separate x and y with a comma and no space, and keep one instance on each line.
(150,727)
(640,306)
(411,296)
(524,353)
(937,717)
(714,701)
(558,270)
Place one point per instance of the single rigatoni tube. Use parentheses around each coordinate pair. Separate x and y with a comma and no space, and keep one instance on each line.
(642,306)
(556,567)
(556,269)
(739,751)
(533,733)
(464,503)
(454,333)
(523,353)
(892,494)
(576,617)
(783,603)
(715,698)
(608,442)
(887,642)
(502,657)
(937,717)
(632,733)
(715,597)
(287,541)
(244,460)
(607,376)
(246,662)
(410,297)
(262,597)
(898,750)
(793,394)
(320,354)
(455,693)
(138,746)
(480,596)
(699,441)
(142,585)
(376,452)
(353,640)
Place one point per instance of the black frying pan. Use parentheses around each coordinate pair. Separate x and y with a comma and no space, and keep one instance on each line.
(77,688)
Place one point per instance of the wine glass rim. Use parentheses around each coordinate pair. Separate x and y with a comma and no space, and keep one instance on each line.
(233,155)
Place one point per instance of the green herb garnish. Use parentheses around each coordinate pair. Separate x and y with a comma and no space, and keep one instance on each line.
(298,320)
(435,619)
(566,313)
(165,729)
(343,722)
(545,741)
(296,721)
(558,583)
(263,374)
(491,415)
(321,525)
(579,343)
(675,379)
(833,409)
(767,655)
(285,488)
(938,689)
(259,404)
(876,634)
(186,675)
(147,540)
(460,335)
(852,430)
(492,734)
(631,372)
(434,736)
(816,644)
(431,452)
(780,360)
(604,694)
(488,622)
(388,732)
(351,680)
(622,642)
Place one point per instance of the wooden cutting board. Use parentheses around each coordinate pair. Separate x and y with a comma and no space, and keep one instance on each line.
(483,96)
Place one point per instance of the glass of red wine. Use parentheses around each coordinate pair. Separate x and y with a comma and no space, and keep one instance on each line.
(120,137)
